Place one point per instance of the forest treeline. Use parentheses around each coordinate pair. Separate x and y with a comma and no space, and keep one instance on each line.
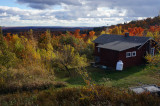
(145,23)
(134,27)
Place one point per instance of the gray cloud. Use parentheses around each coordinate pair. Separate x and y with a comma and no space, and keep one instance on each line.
(16,16)
(41,4)
(25,14)
(134,8)
(50,2)
(82,11)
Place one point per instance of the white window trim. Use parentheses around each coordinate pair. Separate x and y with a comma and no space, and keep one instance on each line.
(152,51)
(99,50)
(128,53)
(134,52)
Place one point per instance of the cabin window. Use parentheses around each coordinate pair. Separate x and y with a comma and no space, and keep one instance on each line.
(128,54)
(98,50)
(133,53)
(152,51)
(97,59)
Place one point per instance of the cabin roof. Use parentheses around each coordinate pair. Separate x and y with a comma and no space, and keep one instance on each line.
(120,42)
(119,46)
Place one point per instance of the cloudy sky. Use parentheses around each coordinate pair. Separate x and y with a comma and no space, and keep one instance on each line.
(75,12)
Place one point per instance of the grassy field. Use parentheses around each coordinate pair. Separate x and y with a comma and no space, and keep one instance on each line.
(114,90)
(133,76)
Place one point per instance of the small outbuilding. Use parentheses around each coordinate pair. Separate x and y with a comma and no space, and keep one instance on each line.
(131,50)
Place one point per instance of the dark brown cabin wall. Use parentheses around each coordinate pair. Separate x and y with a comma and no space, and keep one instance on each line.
(108,57)
(130,61)
(111,57)
(134,61)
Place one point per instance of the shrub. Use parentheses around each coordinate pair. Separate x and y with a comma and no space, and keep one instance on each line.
(60,84)
(68,58)
(25,78)
(8,59)
(99,96)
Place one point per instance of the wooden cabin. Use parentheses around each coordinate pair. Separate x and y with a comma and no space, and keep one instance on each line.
(131,50)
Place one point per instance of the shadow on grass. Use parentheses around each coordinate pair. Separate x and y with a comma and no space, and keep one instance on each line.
(74,79)
(97,74)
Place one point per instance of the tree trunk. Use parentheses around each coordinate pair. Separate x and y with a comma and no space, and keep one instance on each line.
(67,70)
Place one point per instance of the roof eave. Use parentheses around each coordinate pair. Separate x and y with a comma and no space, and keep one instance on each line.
(120,50)
(145,42)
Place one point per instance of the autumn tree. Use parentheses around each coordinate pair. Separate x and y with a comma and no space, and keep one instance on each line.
(69,40)
(55,42)
(30,32)
(3,44)
(16,46)
(103,32)
(45,41)
(116,30)
(77,33)
(67,58)
(8,37)
(91,34)
(46,49)
(31,39)
(7,58)
(83,35)
(136,31)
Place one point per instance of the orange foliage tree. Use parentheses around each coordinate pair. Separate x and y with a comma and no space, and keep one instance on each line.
(137,31)
(91,34)
(76,33)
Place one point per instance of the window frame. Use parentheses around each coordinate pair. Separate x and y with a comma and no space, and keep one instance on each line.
(128,53)
(152,51)
(97,59)
(99,50)
(133,53)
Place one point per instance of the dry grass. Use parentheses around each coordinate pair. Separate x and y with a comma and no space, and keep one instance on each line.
(85,96)
(25,78)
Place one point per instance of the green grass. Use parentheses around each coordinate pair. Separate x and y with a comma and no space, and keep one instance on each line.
(72,81)
(133,76)
(112,80)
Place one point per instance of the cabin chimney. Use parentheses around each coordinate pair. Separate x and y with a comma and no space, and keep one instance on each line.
(126,34)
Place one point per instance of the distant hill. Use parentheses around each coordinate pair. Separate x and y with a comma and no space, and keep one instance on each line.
(42,28)
(46,27)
